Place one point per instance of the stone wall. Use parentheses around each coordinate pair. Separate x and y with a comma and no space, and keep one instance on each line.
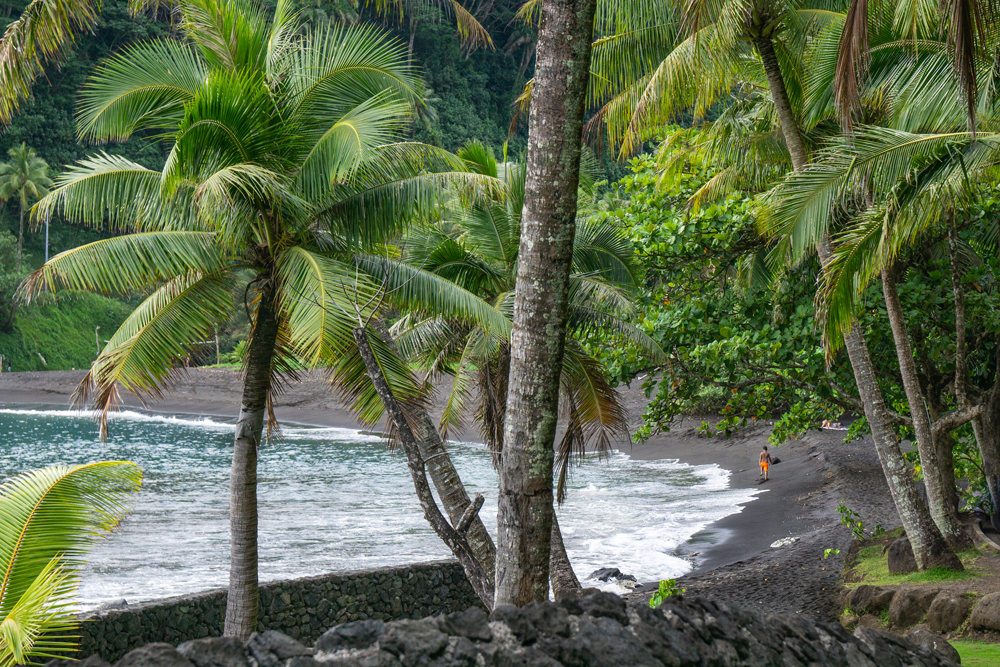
(301,608)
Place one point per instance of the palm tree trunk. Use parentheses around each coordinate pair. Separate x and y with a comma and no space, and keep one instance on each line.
(20,238)
(929,547)
(243,599)
(443,474)
(564,581)
(782,105)
(450,536)
(946,521)
(548,225)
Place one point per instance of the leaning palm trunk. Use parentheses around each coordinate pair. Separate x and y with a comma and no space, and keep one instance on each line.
(929,546)
(564,581)
(243,598)
(935,481)
(445,477)
(453,536)
(548,225)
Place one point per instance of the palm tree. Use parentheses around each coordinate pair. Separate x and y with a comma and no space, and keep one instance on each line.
(50,519)
(46,30)
(26,177)
(279,169)
(475,247)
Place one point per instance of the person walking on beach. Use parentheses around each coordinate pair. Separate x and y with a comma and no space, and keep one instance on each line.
(765,462)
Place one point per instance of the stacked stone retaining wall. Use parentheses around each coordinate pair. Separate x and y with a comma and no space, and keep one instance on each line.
(301,608)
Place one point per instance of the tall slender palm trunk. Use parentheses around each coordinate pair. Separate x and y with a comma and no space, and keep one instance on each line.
(20,238)
(548,226)
(449,534)
(929,546)
(935,480)
(243,599)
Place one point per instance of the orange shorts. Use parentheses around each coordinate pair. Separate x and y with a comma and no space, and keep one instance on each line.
(763,466)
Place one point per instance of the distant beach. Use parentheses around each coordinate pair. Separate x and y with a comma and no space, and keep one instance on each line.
(735,562)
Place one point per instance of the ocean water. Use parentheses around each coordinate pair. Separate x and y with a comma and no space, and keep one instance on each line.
(334,499)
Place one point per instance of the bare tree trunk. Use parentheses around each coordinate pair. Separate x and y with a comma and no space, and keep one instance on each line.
(947,521)
(564,581)
(243,598)
(449,535)
(987,430)
(548,225)
(445,477)
(929,547)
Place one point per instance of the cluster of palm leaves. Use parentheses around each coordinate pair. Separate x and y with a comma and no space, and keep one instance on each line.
(49,519)
(288,194)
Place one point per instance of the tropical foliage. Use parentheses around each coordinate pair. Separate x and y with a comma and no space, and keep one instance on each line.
(49,519)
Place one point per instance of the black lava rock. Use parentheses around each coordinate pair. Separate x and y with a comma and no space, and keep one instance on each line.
(355,635)
(472,623)
(154,655)
(215,652)
(272,648)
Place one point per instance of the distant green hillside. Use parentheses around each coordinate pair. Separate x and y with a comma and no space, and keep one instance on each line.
(61,332)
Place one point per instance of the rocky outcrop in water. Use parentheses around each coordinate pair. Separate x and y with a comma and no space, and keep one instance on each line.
(595,631)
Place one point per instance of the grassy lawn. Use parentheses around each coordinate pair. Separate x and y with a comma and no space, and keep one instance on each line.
(874,567)
(977,654)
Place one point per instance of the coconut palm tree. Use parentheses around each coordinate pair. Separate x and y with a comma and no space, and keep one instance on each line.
(25,176)
(49,519)
(44,35)
(279,168)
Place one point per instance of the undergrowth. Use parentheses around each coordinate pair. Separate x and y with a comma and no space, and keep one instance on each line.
(873,566)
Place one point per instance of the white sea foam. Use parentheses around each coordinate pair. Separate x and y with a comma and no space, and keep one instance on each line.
(336,499)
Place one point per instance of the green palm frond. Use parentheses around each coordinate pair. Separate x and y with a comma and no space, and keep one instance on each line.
(49,519)
(144,86)
(318,297)
(43,35)
(146,350)
(109,191)
(124,265)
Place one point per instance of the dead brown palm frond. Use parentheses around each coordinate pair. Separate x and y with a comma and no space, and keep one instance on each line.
(492,408)
(852,63)
(967,36)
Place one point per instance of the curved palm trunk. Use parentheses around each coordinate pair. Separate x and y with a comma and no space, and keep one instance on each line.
(450,536)
(548,225)
(931,464)
(445,477)
(243,598)
(929,547)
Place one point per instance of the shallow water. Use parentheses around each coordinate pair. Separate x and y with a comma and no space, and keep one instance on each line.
(333,499)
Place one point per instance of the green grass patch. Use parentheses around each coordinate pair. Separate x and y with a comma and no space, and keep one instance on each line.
(977,654)
(873,566)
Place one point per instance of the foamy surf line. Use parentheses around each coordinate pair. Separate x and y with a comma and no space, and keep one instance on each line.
(205,423)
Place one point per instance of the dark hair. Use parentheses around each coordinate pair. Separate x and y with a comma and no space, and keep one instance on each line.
(765,448)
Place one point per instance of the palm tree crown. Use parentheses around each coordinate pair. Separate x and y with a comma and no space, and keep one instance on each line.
(25,176)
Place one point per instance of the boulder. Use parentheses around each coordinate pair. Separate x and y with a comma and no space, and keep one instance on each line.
(354,635)
(869,599)
(598,603)
(901,558)
(609,573)
(413,642)
(948,611)
(849,621)
(272,648)
(471,623)
(154,655)
(91,661)
(870,621)
(910,605)
(986,614)
(215,652)
(933,643)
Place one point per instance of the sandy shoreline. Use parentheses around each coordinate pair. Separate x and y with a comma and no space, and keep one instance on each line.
(799,501)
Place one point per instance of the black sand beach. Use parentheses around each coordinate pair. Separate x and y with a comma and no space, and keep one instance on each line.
(735,562)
